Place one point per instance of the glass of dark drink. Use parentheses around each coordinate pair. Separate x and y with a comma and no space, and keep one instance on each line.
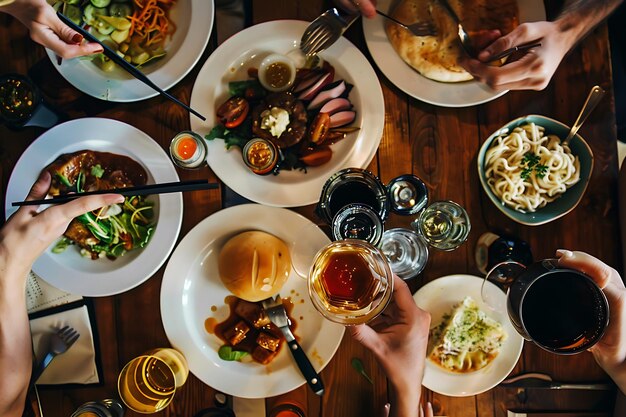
(350,282)
(561,310)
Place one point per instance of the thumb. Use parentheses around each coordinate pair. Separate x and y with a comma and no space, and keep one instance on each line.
(366,336)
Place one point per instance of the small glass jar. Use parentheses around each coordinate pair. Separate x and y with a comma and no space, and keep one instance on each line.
(103,408)
(188,150)
(260,155)
(358,221)
(287,410)
(21,103)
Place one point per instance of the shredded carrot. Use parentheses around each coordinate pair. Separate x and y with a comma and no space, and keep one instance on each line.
(151,16)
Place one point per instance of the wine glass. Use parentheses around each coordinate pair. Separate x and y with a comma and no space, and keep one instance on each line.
(406,252)
(147,383)
(444,225)
(561,310)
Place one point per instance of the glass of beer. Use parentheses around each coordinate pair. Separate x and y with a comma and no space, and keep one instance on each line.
(350,281)
(148,383)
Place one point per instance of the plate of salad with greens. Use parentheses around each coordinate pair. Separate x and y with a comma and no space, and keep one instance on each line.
(113,249)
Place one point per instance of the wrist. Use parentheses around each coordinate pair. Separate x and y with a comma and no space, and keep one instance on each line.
(405,399)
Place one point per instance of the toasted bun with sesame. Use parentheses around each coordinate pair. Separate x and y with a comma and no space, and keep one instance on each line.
(254,265)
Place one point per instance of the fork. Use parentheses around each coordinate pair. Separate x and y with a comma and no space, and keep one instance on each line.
(324,31)
(466,42)
(276,312)
(60,342)
(417,29)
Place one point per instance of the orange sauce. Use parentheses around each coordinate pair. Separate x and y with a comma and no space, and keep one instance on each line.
(186,147)
(210,324)
(278,74)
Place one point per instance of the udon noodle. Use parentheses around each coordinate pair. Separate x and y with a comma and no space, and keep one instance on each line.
(528,169)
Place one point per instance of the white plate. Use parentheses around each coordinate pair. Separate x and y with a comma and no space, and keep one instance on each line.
(191,286)
(247,48)
(69,271)
(194,22)
(469,93)
(438,297)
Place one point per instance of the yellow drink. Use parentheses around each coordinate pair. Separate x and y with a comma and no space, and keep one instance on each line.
(146,384)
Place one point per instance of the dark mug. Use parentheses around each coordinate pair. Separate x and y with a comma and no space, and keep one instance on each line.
(561,310)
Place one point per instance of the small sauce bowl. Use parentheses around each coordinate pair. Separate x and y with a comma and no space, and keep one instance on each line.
(277,72)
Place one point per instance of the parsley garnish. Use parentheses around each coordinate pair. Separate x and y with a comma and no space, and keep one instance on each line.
(532,164)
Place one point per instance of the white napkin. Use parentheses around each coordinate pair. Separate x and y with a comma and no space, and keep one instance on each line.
(78,364)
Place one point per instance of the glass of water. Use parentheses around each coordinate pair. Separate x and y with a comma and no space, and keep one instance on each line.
(406,252)
(444,225)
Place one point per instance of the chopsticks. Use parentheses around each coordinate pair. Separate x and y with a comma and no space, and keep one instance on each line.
(128,67)
(164,188)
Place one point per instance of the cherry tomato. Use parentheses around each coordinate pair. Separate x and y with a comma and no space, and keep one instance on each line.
(233,112)
(317,156)
(319,128)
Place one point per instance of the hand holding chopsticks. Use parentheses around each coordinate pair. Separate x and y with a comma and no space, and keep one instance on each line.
(164,188)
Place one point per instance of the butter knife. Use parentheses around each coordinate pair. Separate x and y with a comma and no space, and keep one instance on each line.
(277,314)
(543,381)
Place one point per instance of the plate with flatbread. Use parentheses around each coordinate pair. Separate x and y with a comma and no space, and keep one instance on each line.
(425,67)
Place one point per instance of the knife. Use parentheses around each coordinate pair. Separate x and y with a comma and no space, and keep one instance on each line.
(544,381)
(113,56)
(276,312)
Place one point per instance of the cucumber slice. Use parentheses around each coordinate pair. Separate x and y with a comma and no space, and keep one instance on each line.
(119,36)
(91,13)
(100,3)
(103,27)
(120,9)
(73,13)
(73,1)
(119,23)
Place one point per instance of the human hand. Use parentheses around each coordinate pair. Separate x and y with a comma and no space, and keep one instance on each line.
(398,338)
(48,30)
(534,69)
(366,7)
(610,351)
(28,233)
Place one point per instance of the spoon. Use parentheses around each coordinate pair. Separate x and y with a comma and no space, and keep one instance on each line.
(594,97)
(466,42)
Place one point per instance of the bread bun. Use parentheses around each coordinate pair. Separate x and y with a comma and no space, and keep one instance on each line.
(254,265)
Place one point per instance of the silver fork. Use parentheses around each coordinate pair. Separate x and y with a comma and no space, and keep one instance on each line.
(276,312)
(60,342)
(417,29)
(324,31)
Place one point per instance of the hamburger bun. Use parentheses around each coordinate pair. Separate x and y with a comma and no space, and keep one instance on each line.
(254,265)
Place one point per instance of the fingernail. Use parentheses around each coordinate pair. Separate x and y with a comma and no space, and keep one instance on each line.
(484,55)
(564,253)
(119,199)
(77,38)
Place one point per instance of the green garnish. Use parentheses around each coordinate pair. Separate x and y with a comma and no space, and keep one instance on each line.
(532,164)
(358,366)
(226,353)
(61,245)
(97,171)
(63,179)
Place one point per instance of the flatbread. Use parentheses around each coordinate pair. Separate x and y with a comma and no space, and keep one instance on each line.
(435,57)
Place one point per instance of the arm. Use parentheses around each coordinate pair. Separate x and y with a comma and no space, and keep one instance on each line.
(610,351)
(398,338)
(535,69)
(47,29)
(22,239)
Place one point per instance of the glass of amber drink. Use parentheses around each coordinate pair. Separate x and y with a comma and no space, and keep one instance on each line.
(148,383)
(350,282)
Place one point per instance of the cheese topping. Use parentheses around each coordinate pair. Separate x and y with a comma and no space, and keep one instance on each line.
(275,120)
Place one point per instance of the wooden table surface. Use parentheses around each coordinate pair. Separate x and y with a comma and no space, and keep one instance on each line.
(437,144)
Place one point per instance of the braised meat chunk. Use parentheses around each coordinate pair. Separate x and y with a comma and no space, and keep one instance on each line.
(252,313)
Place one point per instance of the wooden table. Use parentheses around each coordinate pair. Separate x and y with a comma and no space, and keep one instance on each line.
(437,144)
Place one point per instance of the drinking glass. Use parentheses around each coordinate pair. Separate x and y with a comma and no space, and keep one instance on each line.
(148,383)
(444,225)
(358,221)
(406,252)
(350,281)
(103,408)
(561,310)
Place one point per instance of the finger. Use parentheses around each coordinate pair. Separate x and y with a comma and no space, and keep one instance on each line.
(506,75)
(366,336)
(522,34)
(368,8)
(483,38)
(600,272)
(37,192)
(402,295)
(51,40)
(421,411)
(429,410)
(82,205)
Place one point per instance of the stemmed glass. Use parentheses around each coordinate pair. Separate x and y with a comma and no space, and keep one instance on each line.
(444,225)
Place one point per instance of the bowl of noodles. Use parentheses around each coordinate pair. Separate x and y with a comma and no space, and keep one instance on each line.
(529,174)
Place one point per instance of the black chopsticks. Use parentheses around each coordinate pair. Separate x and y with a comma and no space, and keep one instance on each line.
(113,56)
(164,188)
